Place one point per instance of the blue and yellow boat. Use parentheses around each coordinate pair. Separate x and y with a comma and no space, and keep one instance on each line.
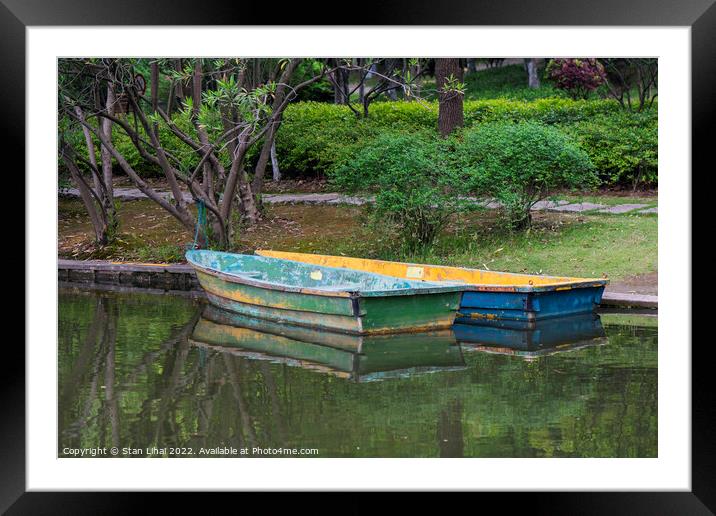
(488,294)
(326,298)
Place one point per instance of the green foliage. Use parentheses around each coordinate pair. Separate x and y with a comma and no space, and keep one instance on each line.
(314,136)
(623,146)
(413,184)
(506,82)
(519,164)
(319,91)
(546,111)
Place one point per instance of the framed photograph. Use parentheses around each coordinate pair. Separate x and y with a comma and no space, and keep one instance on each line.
(418,253)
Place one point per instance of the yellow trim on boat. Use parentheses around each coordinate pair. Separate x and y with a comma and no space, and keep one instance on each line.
(428,272)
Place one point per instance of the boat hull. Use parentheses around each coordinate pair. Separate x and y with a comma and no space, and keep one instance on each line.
(341,313)
(488,294)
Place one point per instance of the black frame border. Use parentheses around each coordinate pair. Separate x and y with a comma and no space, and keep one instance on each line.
(699,15)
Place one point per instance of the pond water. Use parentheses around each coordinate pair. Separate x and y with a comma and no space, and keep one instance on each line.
(161,375)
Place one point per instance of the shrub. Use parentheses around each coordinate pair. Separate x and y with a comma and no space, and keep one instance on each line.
(518,164)
(313,136)
(546,111)
(578,77)
(413,183)
(623,147)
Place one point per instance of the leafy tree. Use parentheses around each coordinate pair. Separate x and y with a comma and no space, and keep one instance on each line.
(234,106)
(519,164)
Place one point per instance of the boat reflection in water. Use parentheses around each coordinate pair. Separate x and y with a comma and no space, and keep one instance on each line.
(377,357)
(531,339)
(357,358)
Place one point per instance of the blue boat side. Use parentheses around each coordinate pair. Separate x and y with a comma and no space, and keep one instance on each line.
(478,305)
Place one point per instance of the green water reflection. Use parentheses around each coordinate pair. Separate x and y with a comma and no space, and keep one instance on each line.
(137,371)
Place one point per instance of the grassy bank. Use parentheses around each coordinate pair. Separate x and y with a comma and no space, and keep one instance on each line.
(558,243)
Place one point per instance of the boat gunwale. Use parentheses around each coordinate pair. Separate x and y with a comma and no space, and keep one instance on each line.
(563,284)
(352,294)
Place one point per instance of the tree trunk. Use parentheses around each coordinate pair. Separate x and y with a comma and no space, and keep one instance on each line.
(274,163)
(361,78)
(106,156)
(99,223)
(91,153)
(154,88)
(450,115)
(532,76)
(340,86)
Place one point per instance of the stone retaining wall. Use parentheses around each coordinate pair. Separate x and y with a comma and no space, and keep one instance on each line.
(157,276)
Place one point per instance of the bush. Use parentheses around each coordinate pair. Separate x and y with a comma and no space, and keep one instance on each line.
(546,111)
(624,147)
(413,183)
(579,77)
(519,164)
(314,136)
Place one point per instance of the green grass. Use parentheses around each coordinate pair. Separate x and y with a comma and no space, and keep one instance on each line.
(557,245)
(625,319)
(507,82)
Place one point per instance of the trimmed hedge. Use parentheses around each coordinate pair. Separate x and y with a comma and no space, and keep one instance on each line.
(314,136)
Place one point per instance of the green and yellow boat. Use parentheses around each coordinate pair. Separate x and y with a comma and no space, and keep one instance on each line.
(325,298)
(488,294)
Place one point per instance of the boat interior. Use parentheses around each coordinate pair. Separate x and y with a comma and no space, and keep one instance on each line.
(303,275)
(437,273)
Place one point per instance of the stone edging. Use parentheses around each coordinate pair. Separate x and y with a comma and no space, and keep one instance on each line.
(333,198)
(181,277)
(160,276)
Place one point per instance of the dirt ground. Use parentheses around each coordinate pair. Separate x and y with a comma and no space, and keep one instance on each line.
(638,284)
(145,225)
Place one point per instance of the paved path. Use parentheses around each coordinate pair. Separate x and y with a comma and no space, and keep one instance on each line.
(133,194)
